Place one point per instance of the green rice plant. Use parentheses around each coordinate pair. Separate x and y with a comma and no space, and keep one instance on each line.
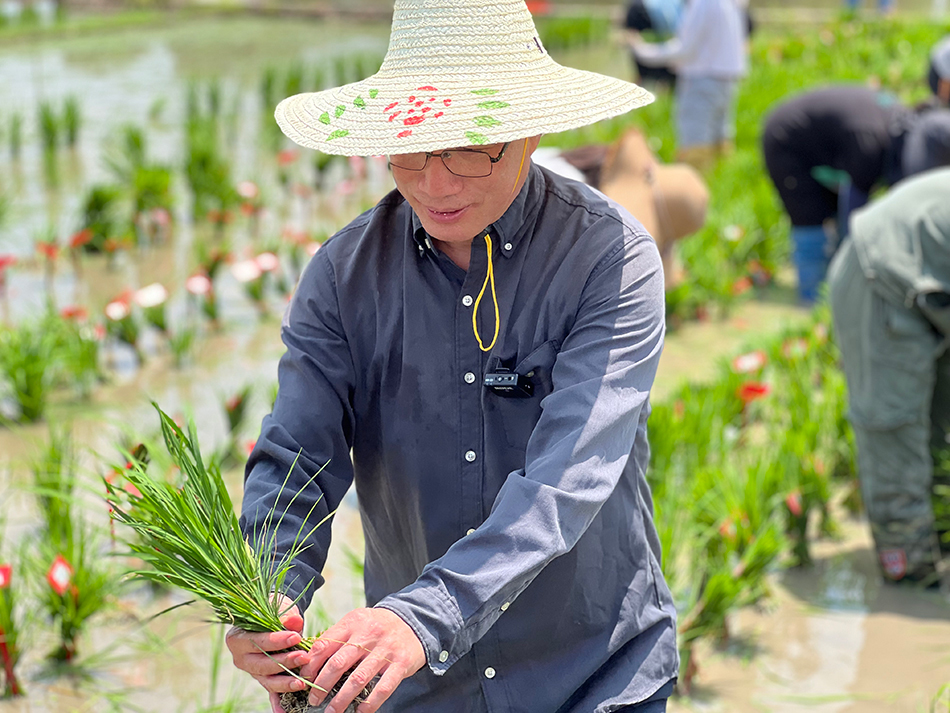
(71,120)
(269,97)
(54,482)
(80,586)
(100,214)
(207,171)
(189,537)
(49,127)
(293,80)
(181,342)
(561,32)
(26,356)
(77,353)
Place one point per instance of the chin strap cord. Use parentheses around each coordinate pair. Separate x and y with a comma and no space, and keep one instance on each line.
(489,280)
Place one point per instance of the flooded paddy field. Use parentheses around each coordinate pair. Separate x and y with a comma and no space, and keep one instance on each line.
(831,638)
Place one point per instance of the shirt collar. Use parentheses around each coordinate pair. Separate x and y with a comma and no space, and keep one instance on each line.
(512,227)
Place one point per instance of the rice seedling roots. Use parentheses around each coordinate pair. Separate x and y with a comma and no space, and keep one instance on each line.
(296,701)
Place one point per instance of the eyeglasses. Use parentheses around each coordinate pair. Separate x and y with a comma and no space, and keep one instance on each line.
(466,163)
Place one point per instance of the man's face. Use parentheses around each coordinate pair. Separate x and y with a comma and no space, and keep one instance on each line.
(457,209)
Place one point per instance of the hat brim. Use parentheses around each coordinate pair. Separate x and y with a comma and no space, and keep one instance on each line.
(390,114)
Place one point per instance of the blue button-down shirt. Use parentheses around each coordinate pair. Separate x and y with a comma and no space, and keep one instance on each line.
(514,535)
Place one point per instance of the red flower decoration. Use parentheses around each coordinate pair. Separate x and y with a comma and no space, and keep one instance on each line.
(417,108)
(49,250)
(286,157)
(752,390)
(6,574)
(74,312)
(793,501)
(81,238)
(60,574)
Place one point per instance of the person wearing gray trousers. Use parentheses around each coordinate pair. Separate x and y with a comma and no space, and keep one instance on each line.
(890,299)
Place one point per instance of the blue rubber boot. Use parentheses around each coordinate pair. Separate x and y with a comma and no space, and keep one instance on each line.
(811,260)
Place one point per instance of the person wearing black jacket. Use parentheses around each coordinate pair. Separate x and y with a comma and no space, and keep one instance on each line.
(828,149)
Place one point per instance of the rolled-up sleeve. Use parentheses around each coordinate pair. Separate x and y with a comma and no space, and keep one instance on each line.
(575,456)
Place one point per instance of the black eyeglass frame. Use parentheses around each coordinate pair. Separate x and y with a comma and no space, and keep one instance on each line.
(441,155)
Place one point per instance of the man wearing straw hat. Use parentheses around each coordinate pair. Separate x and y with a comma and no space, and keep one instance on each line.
(483,342)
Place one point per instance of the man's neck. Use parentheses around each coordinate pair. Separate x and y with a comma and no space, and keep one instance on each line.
(459,253)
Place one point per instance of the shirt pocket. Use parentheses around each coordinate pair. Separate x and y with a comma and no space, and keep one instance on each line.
(512,418)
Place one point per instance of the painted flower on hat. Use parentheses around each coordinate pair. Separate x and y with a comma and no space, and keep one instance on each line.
(59,575)
(418,107)
(6,574)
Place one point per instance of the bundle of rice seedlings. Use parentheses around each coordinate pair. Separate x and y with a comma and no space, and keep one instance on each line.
(189,537)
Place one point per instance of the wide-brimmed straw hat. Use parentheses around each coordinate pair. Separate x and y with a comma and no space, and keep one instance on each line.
(457,73)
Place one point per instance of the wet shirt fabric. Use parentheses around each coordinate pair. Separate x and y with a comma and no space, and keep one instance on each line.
(513,534)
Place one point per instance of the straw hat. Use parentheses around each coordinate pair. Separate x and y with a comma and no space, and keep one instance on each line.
(457,73)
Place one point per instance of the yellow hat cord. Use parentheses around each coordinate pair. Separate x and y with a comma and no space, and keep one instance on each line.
(490,276)
(489,280)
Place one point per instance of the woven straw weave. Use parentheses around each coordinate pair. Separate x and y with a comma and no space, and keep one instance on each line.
(457,73)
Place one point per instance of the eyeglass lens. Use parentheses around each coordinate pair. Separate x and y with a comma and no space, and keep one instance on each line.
(470,164)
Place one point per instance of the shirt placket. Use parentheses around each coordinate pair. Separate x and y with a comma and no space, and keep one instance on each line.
(471,366)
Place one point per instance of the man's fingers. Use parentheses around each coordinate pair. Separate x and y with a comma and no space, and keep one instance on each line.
(357,680)
(345,658)
(280,683)
(390,678)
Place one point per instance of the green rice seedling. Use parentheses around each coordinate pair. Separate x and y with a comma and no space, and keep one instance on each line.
(208,172)
(181,342)
(77,351)
(293,80)
(72,120)
(26,357)
(189,537)
(214,97)
(54,483)
(269,88)
(100,211)
(79,586)
(49,127)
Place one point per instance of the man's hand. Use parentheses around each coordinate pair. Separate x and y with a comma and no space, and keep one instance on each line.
(375,641)
(247,651)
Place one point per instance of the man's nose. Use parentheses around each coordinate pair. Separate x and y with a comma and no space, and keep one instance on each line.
(437,180)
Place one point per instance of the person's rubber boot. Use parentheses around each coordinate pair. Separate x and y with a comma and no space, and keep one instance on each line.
(702,158)
(811,260)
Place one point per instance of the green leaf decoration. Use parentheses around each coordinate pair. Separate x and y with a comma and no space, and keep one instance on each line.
(338,134)
(325,118)
(373,93)
(486,121)
(339,111)
(485,92)
(476,138)
(359,102)
(493,105)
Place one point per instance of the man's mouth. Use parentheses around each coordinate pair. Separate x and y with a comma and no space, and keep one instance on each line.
(445,214)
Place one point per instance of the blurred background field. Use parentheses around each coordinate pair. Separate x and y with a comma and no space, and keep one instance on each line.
(153,222)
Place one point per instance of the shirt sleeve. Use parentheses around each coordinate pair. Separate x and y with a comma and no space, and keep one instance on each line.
(300,467)
(683,47)
(575,457)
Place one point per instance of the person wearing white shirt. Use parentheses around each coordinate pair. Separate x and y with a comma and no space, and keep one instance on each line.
(709,55)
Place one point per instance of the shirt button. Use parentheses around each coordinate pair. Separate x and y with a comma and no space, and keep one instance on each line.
(444,656)
(489,672)
(467,300)
(504,607)
(469,378)
(470,531)
(470,456)
(508,246)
